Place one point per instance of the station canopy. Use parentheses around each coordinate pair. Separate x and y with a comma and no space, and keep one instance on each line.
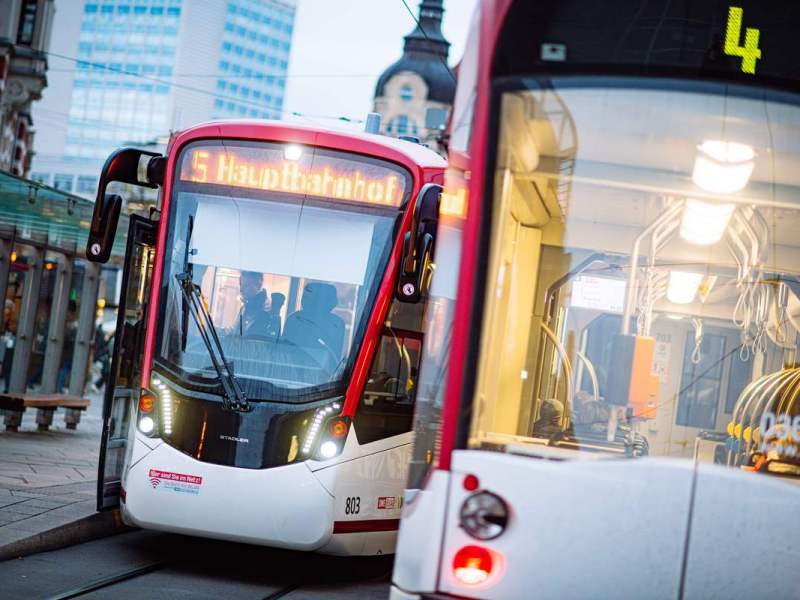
(32,212)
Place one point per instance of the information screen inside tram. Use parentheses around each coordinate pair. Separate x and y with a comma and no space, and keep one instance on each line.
(288,246)
(740,40)
(643,287)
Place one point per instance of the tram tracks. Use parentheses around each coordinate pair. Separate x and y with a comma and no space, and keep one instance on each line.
(123,576)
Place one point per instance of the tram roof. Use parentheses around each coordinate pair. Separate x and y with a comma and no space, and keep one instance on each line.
(365,143)
(31,212)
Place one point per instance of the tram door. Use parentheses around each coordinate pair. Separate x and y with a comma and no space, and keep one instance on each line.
(122,386)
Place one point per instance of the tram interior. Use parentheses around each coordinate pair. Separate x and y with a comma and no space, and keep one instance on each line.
(643,290)
(286,290)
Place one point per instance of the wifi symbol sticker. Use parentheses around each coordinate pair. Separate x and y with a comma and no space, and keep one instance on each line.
(154,481)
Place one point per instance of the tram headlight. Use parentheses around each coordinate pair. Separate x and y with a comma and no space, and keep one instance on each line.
(146,425)
(328,449)
(484,515)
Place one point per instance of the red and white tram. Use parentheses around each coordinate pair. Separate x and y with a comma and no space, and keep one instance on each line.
(269,334)
(609,402)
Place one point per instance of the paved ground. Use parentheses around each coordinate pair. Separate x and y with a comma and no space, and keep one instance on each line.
(48,479)
(185,567)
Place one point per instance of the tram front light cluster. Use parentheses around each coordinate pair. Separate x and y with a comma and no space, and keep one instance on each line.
(326,434)
(484,515)
(147,412)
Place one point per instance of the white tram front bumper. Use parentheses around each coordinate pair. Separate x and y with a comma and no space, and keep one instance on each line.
(167,490)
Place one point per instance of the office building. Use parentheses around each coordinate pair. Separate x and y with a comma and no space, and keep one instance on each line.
(138,69)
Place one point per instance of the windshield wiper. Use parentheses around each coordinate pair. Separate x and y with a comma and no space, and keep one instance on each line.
(233,396)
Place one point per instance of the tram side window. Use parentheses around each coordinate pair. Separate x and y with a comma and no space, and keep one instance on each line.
(701,382)
(387,404)
(741,374)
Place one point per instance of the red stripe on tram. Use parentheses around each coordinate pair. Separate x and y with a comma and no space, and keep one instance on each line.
(365,526)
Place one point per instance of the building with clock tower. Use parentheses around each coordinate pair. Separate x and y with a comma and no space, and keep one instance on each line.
(414,95)
(24,39)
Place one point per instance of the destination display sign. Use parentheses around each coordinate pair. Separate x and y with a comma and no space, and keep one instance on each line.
(295,170)
(738,40)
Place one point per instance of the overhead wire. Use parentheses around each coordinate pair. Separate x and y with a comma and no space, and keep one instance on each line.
(197,90)
(422,29)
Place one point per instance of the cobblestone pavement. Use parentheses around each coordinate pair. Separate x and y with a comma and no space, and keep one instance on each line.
(48,479)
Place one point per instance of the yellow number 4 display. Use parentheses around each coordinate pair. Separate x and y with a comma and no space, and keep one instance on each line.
(750,52)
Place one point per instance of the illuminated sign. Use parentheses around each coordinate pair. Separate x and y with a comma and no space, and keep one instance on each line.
(598,293)
(322,176)
(750,52)
(454,196)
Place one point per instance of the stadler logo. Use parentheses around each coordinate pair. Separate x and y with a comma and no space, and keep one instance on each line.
(231,438)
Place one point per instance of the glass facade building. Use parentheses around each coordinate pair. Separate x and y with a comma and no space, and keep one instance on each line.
(138,69)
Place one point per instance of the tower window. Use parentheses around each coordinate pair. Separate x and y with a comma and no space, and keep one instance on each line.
(406,93)
(402,125)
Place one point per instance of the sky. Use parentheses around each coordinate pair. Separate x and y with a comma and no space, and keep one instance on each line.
(340,48)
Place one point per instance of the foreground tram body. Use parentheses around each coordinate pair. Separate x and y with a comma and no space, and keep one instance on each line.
(616,411)
(265,361)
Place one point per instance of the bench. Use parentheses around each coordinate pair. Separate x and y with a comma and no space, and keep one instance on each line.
(45,404)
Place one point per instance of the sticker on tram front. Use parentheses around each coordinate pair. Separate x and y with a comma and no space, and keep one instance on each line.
(175,482)
(390,502)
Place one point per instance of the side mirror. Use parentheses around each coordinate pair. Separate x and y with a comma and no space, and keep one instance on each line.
(418,246)
(126,165)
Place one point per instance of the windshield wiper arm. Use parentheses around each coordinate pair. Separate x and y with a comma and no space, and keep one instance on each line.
(233,396)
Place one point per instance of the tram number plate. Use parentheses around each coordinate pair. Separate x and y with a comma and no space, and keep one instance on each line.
(352,505)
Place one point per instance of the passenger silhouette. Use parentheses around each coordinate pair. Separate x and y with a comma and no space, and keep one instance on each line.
(315,327)
(254,318)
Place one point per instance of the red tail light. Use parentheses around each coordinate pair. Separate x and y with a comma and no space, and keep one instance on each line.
(472,565)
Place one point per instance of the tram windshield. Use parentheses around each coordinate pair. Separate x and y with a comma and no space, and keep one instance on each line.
(288,246)
(643,288)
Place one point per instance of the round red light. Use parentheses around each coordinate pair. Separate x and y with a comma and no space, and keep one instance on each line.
(472,565)
(338,429)
(471,483)
(146,402)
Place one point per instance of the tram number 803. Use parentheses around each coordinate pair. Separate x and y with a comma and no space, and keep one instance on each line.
(352,505)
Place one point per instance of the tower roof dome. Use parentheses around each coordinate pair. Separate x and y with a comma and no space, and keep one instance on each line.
(425,53)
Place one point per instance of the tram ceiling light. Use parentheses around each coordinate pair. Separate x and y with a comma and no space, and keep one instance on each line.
(723,167)
(292,152)
(704,223)
(683,286)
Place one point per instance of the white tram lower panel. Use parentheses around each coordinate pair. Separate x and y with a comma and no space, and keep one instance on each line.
(296,506)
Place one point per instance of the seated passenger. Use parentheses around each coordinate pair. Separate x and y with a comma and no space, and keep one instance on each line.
(254,318)
(551,414)
(315,327)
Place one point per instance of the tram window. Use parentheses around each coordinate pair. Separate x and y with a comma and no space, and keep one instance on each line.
(387,404)
(634,302)
(701,383)
(741,373)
